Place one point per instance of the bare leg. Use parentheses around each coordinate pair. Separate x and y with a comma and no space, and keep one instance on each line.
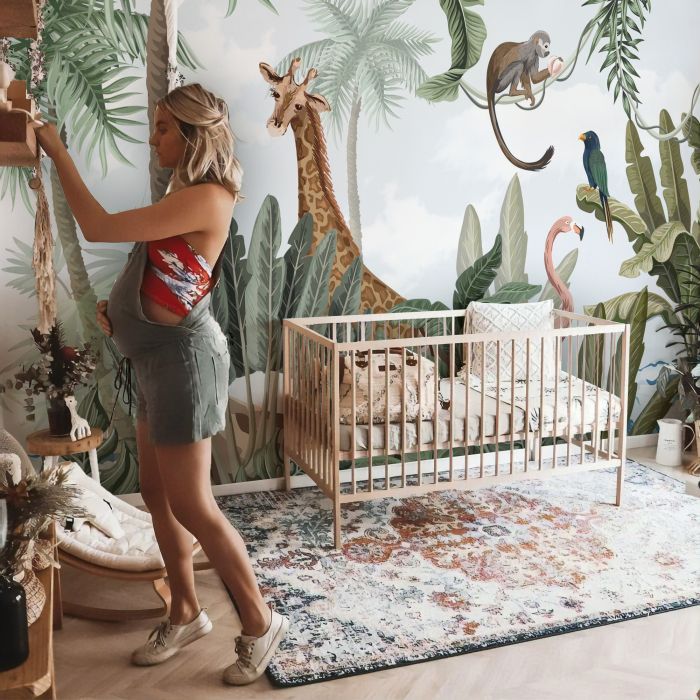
(185,471)
(175,541)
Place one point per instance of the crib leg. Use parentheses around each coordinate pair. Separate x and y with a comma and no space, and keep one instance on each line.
(336,524)
(287,473)
(620,479)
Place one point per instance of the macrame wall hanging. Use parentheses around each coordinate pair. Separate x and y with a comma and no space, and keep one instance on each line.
(175,78)
(18,146)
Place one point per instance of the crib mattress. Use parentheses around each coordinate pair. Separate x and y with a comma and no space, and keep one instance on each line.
(506,411)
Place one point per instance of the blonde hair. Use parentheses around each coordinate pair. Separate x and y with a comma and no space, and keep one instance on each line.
(203,121)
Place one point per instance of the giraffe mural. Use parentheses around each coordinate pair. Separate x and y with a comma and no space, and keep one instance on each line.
(300,109)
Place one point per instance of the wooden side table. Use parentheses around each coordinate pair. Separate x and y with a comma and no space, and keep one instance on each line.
(51,448)
(37,672)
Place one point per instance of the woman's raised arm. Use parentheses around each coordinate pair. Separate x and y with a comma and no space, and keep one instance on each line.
(193,208)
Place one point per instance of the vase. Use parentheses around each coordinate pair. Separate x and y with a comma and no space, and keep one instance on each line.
(35,595)
(59,417)
(14,640)
(670,447)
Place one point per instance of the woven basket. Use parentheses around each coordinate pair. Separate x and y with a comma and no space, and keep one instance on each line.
(35,594)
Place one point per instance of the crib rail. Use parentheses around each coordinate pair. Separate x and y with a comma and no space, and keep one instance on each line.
(379,403)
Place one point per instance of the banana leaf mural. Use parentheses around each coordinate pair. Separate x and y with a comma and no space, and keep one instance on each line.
(665,245)
(259,290)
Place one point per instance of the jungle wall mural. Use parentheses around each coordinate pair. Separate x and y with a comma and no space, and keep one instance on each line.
(398,154)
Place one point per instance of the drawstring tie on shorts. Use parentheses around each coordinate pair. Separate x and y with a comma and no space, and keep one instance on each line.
(123,386)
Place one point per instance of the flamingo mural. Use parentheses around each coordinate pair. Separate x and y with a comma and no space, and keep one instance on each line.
(564,224)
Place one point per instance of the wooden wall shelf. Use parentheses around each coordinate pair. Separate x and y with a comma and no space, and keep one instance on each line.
(17,139)
(18,19)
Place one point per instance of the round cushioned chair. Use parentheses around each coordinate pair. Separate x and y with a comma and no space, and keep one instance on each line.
(129,553)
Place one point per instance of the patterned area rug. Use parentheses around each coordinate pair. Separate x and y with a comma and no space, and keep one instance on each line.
(459,571)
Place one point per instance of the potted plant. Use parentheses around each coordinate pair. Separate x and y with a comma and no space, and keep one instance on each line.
(682,375)
(57,373)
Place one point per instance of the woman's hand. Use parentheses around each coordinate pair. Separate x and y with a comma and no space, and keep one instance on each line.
(102,318)
(49,139)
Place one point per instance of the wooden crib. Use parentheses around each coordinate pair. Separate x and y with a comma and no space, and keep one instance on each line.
(469,431)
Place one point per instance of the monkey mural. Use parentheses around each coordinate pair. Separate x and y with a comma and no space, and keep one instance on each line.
(512,63)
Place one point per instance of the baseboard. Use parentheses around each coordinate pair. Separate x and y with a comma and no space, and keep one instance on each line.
(302,480)
(642,440)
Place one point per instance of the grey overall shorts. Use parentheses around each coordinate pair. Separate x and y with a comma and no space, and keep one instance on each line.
(181,370)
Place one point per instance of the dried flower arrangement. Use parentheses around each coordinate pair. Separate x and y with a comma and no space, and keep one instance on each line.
(31,504)
(58,372)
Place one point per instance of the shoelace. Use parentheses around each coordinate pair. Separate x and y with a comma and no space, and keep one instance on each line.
(244,650)
(160,633)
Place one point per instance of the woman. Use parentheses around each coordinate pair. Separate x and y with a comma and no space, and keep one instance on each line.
(159,314)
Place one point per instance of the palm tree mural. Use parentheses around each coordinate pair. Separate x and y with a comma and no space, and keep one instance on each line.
(90,49)
(369,58)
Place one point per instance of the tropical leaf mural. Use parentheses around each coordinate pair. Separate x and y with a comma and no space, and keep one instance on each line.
(372,56)
(90,50)
(512,233)
(469,246)
(468,33)
(263,293)
(663,248)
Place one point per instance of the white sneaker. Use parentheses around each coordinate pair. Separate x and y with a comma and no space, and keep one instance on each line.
(167,639)
(254,653)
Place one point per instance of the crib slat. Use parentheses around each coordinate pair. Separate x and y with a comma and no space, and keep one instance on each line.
(555,426)
(597,432)
(467,387)
(540,441)
(436,431)
(512,406)
(353,418)
(370,419)
(483,392)
(583,397)
(527,404)
(570,417)
(452,431)
(387,424)
(419,432)
(622,423)
(308,403)
(403,417)
(611,384)
(316,387)
(498,402)
(328,410)
(303,369)
(319,380)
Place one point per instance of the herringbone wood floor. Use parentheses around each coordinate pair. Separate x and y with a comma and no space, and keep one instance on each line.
(655,658)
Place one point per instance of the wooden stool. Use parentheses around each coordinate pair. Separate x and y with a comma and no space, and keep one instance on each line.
(51,448)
